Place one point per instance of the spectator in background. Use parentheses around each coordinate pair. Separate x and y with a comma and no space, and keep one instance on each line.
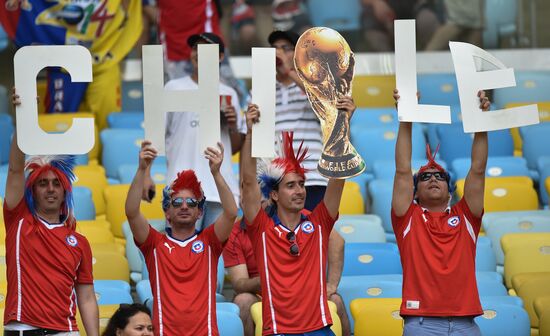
(130,320)
(182,137)
(378,17)
(243,27)
(464,23)
(290,15)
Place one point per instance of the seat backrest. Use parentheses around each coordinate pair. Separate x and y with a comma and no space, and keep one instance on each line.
(93,177)
(6,131)
(373,91)
(125,120)
(542,308)
(371,258)
(84,208)
(485,256)
(229,323)
(524,259)
(377,316)
(110,265)
(381,204)
(531,87)
(438,89)
(344,17)
(352,201)
(503,319)
(361,229)
(496,167)
(534,146)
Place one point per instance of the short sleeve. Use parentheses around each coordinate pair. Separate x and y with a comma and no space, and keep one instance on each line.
(233,253)
(475,221)
(321,216)
(10,215)
(150,242)
(398,222)
(85,269)
(255,228)
(209,235)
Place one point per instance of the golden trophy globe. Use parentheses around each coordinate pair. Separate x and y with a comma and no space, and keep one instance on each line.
(325,62)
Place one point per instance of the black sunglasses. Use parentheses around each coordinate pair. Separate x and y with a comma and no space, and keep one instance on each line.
(428,175)
(294,250)
(178,202)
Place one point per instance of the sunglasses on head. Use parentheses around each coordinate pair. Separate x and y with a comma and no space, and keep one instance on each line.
(294,250)
(425,176)
(178,202)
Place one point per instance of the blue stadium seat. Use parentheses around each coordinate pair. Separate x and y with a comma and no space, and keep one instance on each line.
(368,286)
(491,288)
(126,172)
(504,299)
(3,177)
(500,21)
(84,208)
(489,276)
(228,307)
(543,167)
(4,40)
(531,87)
(456,144)
(438,89)
(371,259)
(485,256)
(496,166)
(125,120)
(375,117)
(143,290)
(107,294)
(385,169)
(6,131)
(121,146)
(497,224)
(534,145)
(361,229)
(132,96)
(229,324)
(4,98)
(381,194)
(431,129)
(344,17)
(379,143)
(503,319)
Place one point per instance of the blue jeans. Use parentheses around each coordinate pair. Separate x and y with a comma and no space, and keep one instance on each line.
(326,331)
(210,213)
(440,326)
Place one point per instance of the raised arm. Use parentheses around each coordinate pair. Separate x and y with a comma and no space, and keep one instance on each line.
(87,305)
(15,182)
(138,223)
(474,186)
(224,223)
(251,196)
(403,186)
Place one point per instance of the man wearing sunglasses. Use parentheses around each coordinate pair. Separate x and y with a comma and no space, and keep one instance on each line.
(183,263)
(290,248)
(437,241)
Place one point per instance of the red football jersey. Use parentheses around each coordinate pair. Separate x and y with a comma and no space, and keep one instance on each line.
(438,252)
(183,277)
(44,263)
(238,251)
(293,287)
(180,19)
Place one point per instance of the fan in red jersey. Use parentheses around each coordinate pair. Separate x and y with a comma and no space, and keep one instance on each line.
(49,265)
(437,241)
(182,263)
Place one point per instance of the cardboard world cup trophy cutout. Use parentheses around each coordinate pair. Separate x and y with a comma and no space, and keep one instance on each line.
(325,63)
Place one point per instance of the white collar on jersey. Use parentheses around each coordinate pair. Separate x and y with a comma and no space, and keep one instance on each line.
(48,225)
(425,210)
(182,243)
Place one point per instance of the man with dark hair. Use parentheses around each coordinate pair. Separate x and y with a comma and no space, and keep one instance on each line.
(437,241)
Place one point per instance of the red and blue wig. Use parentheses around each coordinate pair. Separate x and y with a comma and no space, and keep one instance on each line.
(432,164)
(186,179)
(271,172)
(62,166)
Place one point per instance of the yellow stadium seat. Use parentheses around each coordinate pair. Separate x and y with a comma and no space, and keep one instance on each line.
(507,193)
(529,286)
(2,254)
(256,312)
(98,222)
(511,241)
(93,177)
(96,234)
(373,91)
(110,265)
(3,272)
(61,122)
(377,316)
(3,292)
(105,313)
(544,115)
(542,308)
(235,157)
(115,198)
(534,257)
(352,202)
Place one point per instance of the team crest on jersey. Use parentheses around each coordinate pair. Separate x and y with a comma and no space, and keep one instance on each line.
(71,240)
(453,221)
(308,227)
(197,246)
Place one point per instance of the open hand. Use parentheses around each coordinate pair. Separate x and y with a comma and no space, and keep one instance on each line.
(215,157)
